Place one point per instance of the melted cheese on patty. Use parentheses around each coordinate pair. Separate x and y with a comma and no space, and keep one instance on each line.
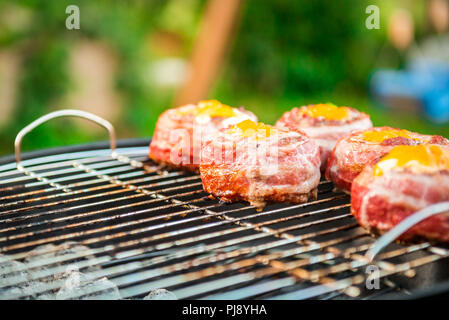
(211,108)
(327,111)
(248,128)
(420,159)
(380,136)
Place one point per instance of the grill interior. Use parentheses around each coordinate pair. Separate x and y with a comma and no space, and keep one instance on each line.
(144,228)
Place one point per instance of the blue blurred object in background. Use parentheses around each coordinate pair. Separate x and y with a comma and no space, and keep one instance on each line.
(425,80)
(436,105)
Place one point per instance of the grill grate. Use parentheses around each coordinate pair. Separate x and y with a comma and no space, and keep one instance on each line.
(145,228)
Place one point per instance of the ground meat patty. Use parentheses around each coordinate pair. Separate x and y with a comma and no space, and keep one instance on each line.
(259,163)
(354,152)
(326,124)
(404,181)
(180,132)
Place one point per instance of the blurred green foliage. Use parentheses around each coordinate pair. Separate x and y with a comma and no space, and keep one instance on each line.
(289,55)
(45,44)
(285,53)
(307,48)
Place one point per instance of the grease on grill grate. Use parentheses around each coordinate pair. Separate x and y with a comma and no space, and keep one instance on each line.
(86,225)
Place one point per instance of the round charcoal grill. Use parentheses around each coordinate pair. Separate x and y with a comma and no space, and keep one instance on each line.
(141,227)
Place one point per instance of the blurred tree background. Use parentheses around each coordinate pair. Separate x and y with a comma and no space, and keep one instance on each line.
(128,59)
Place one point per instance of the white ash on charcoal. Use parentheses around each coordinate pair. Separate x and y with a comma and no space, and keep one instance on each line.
(52,252)
(12,271)
(80,286)
(27,291)
(49,254)
(43,266)
(160,294)
(10,268)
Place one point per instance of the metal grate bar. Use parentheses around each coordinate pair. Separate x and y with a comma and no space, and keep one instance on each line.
(76,192)
(152,193)
(154,229)
(80,199)
(271,244)
(55,160)
(67,168)
(180,266)
(358,279)
(160,226)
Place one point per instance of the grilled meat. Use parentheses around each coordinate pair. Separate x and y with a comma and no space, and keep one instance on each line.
(354,152)
(259,163)
(407,179)
(180,132)
(326,124)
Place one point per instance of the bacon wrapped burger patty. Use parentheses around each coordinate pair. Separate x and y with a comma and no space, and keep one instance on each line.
(407,179)
(325,124)
(180,132)
(354,152)
(258,163)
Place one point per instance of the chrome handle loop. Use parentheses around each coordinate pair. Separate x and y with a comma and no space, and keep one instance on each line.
(65,113)
(404,225)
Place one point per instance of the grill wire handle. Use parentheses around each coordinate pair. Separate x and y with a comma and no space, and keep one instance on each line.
(405,225)
(64,113)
